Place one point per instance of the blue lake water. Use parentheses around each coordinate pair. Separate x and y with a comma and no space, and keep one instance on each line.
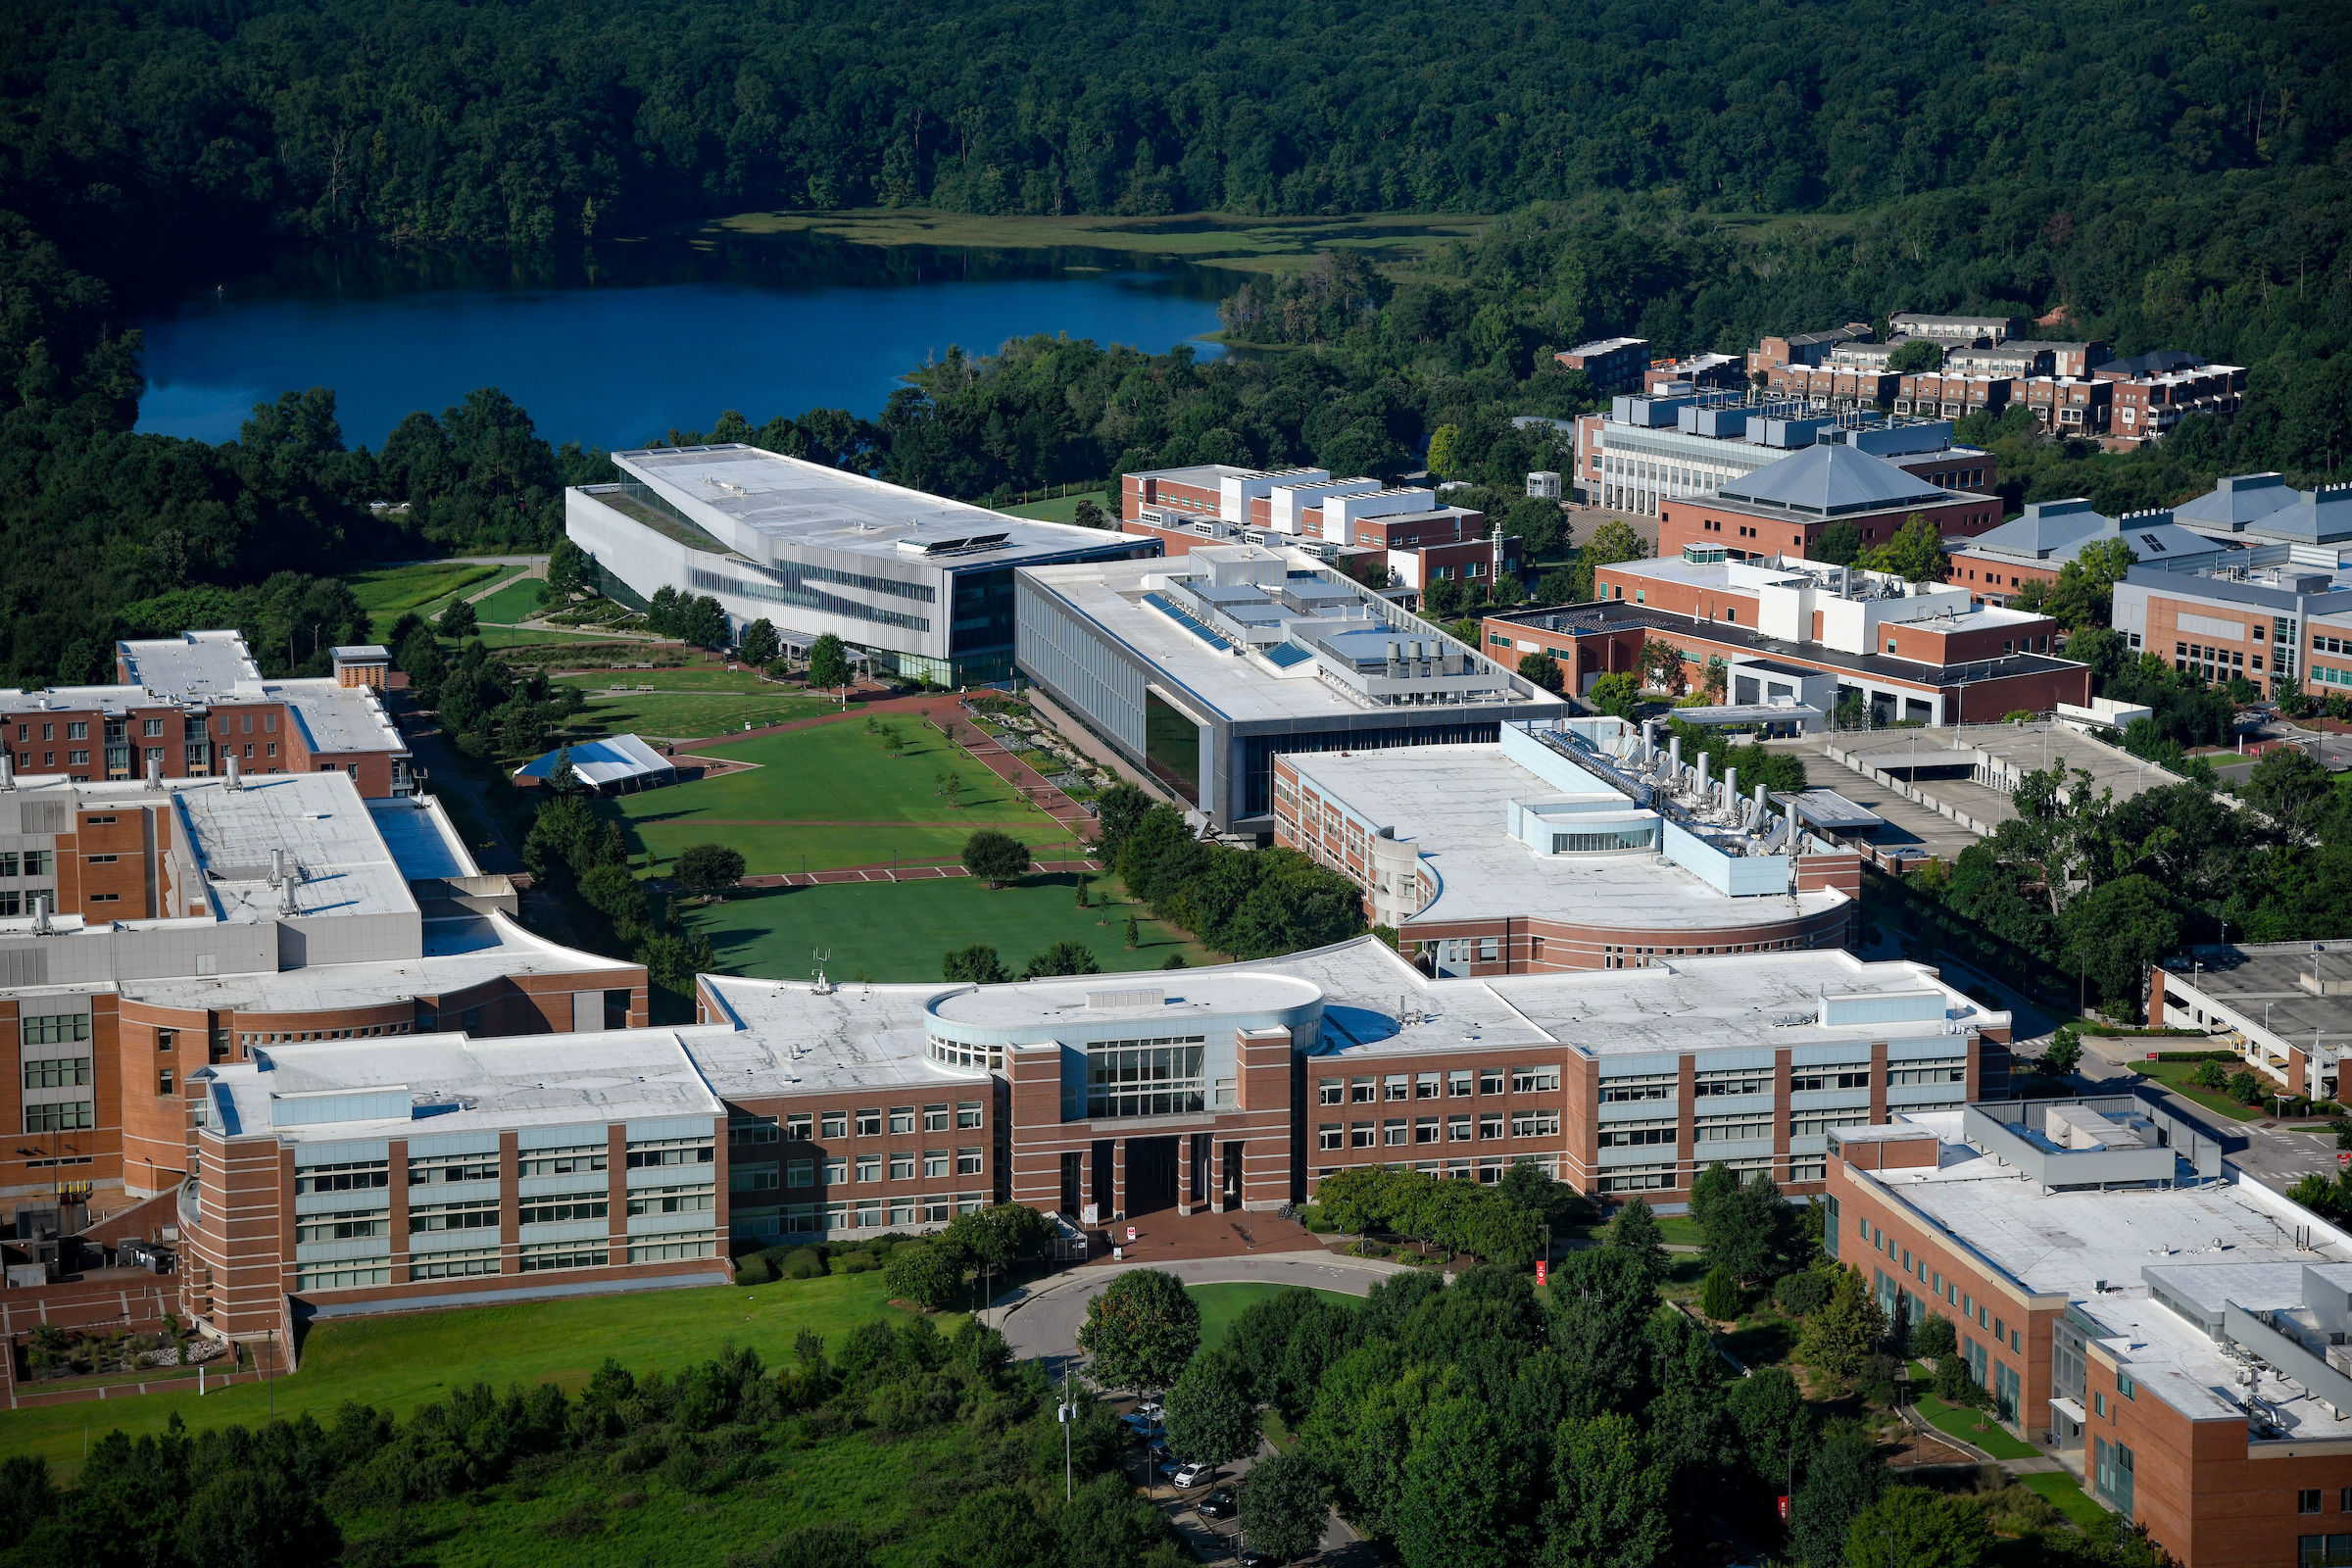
(616,348)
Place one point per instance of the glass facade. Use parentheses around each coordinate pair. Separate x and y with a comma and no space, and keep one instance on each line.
(1144,1078)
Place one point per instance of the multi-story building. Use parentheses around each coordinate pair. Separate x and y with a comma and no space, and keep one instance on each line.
(185,705)
(1646,453)
(1837,386)
(2171,1328)
(1216,504)
(2024,357)
(1915,652)
(1951,394)
(1785,509)
(2064,404)
(1576,845)
(2147,407)
(151,930)
(2310,528)
(1201,669)
(922,585)
(2285,1008)
(2264,622)
(626,1159)
(1700,372)
(1611,364)
(1805,348)
(2035,547)
(1955,330)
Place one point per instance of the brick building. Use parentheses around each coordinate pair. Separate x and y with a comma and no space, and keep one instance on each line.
(2064,404)
(2169,1328)
(2280,626)
(153,931)
(1611,364)
(1907,652)
(1785,509)
(1805,348)
(2035,547)
(1543,853)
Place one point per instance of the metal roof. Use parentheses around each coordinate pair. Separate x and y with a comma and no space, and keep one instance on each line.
(2238,498)
(599,763)
(1828,481)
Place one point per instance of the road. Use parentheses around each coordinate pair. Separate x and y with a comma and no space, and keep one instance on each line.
(2277,1154)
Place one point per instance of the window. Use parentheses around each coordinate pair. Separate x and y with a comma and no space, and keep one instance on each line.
(1731,1081)
(934,1118)
(649,1153)
(673,1200)
(869,1124)
(755,1130)
(1489,1081)
(163,1082)
(1536,1124)
(453,1265)
(869,1167)
(1812,1078)
(799,1173)
(1949,1070)
(557,1209)
(2307,1501)
(432,1169)
(1732,1129)
(563,1255)
(1362,1090)
(968,1162)
(53,1029)
(2324,1552)
(576,1160)
(1425,1130)
(354,1177)
(1425,1086)
(1330,1092)
(1397,1086)
(935,1163)
(1458,1085)
(1634,1136)
(1491,1126)
(1643,1086)
(347,1226)
(1360,1135)
(473,1215)
(1392,1133)
(835,1171)
(1146,1077)
(1534,1080)
(64,1074)
(751,1179)
(1330,1135)
(836,1124)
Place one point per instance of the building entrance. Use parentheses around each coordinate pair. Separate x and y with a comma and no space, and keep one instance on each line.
(1152,1169)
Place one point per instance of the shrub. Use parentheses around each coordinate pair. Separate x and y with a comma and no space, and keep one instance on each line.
(2209,1075)
(1802,1292)
(803,1264)
(2244,1088)
(1934,1339)
(1719,1297)
(754,1270)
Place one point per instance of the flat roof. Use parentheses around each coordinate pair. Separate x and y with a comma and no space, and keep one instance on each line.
(465,1085)
(194,664)
(1451,803)
(423,842)
(756,501)
(2090,1247)
(1246,687)
(795,1039)
(1829,810)
(2022,747)
(325,831)
(2262,982)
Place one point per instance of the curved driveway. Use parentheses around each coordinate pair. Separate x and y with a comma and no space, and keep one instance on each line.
(1042,1321)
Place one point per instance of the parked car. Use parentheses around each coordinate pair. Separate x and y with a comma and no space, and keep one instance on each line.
(1136,1421)
(1249,1556)
(1193,1475)
(1159,1456)
(1171,1467)
(1218,1504)
(1151,1408)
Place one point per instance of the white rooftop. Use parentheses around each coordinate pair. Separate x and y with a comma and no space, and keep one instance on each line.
(2068,1241)
(318,824)
(1450,802)
(193,663)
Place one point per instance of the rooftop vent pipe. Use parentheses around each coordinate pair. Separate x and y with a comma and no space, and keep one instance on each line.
(236,780)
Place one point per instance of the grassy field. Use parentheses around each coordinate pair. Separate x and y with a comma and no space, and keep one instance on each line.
(893,932)
(1991,1436)
(2177,1076)
(699,678)
(694,715)
(1220,1304)
(1060,509)
(387,593)
(398,1362)
(2066,1495)
(832,794)
(1402,241)
(517,600)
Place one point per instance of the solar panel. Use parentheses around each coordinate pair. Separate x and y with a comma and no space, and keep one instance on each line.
(1167,606)
(1283,655)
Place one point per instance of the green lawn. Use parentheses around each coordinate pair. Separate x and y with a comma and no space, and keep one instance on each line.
(517,600)
(831,794)
(2176,1075)
(400,1361)
(1220,1304)
(1993,1437)
(387,593)
(900,931)
(2066,1495)
(696,715)
(518,637)
(1060,509)
(693,679)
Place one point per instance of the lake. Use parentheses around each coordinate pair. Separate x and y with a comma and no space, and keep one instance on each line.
(623,343)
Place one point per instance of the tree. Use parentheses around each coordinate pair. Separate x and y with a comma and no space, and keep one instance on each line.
(1840,545)
(928,1272)
(1661,664)
(562,778)
(1286,1504)
(570,571)
(1934,1338)
(1914,355)
(1461,1488)
(996,857)
(259,1518)
(1442,598)
(1914,553)
(2065,1049)
(1600,1301)
(2294,792)
(1542,669)
(457,619)
(1912,1527)
(1839,1336)
(1135,934)
(1746,1229)
(761,645)
(1213,1411)
(1558,586)
(1062,958)
(1767,1411)
(977,963)
(828,662)
(1634,1229)
(1088,514)
(1117,812)
(705,868)
(1719,1296)
(703,622)
(1617,694)
(1842,1479)
(2114,932)
(1141,1331)
(1610,1504)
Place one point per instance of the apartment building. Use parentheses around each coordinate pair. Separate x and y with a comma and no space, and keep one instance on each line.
(1906,650)
(1834,385)
(1698,372)
(1961,332)
(1805,348)
(2035,547)
(1611,364)
(1785,509)
(2147,407)
(2027,356)
(2169,1328)
(1951,394)
(155,929)
(1574,845)
(186,706)
(2069,406)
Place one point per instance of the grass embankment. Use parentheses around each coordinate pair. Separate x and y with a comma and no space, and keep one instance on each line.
(2179,1078)
(697,715)
(899,931)
(516,602)
(401,1362)
(427,587)
(1060,508)
(830,792)
(1402,242)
